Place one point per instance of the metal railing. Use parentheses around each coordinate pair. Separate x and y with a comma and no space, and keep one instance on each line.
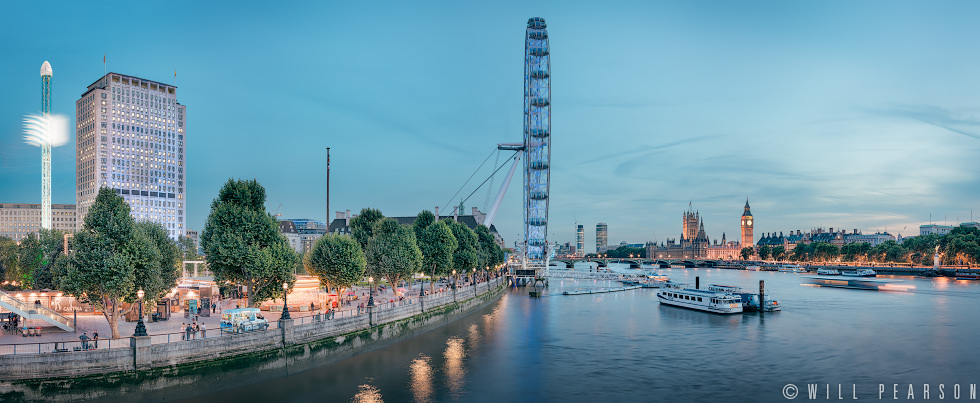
(75,346)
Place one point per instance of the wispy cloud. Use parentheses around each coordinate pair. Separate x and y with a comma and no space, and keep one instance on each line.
(959,123)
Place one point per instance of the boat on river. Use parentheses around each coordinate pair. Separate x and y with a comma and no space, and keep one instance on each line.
(859,283)
(750,301)
(701,300)
(828,272)
(859,273)
(791,268)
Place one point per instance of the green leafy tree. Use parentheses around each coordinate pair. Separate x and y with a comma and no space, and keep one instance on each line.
(465,256)
(825,251)
(855,251)
(362,226)
(37,254)
(337,260)
(438,245)
(765,251)
(114,258)
(243,244)
(624,252)
(392,252)
(490,253)
(9,257)
(423,220)
(746,252)
(188,250)
(778,252)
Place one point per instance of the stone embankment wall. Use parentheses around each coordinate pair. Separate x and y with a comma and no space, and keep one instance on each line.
(288,344)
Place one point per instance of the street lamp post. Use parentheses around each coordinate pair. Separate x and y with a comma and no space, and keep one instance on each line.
(285,304)
(454,285)
(140,327)
(371,291)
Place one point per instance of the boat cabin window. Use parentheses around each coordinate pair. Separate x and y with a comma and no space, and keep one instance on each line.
(699,299)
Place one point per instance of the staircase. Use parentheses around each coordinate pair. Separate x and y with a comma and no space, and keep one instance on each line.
(33,311)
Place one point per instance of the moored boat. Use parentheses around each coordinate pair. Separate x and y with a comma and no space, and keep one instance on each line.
(828,272)
(701,300)
(750,301)
(859,273)
(791,268)
(752,268)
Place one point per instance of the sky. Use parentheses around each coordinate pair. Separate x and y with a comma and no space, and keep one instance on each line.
(825,114)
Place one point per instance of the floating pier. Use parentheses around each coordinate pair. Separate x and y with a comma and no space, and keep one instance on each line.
(601,290)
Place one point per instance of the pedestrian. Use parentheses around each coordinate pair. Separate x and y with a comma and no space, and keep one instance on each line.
(95,336)
(197,328)
(213,307)
(187,332)
(204,331)
(84,338)
(183,326)
(311,306)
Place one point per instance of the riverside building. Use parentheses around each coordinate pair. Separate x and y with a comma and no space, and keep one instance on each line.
(130,137)
(18,220)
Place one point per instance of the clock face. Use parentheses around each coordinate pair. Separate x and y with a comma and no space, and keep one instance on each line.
(749,222)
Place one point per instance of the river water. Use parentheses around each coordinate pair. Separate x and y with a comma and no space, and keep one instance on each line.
(627,347)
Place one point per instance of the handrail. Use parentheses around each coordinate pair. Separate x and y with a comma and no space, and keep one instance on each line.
(120,342)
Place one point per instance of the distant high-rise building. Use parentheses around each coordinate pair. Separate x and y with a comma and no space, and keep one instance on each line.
(18,220)
(130,137)
(601,236)
(580,240)
(747,239)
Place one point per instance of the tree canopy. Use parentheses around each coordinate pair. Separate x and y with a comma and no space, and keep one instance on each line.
(336,259)
(243,244)
(392,251)
(465,256)
(114,257)
(437,244)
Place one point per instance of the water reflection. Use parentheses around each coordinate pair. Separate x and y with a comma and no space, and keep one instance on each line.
(421,379)
(367,393)
(455,352)
(473,333)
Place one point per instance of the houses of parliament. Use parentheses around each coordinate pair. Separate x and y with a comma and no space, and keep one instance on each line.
(695,244)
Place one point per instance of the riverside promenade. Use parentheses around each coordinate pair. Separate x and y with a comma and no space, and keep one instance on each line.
(303,341)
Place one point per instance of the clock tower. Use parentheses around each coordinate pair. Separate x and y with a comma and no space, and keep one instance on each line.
(747,240)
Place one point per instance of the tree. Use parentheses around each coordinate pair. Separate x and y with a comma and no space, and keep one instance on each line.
(336,259)
(188,249)
(9,257)
(243,244)
(746,252)
(423,220)
(464,258)
(825,251)
(778,252)
(362,226)
(114,258)
(764,252)
(392,252)
(438,245)
(488,251)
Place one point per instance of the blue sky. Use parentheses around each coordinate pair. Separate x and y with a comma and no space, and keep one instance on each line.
(835,114)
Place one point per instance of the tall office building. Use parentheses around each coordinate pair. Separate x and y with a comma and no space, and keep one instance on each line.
(601,236)
(580,240)
(130,137)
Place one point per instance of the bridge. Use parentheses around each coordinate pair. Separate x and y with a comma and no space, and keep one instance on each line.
(660,263)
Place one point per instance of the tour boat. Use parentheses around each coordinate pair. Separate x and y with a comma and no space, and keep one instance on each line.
(752,268)
(828,272)
(860,283)
(792,268)
(859,273)
(701,300)
(750,301)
